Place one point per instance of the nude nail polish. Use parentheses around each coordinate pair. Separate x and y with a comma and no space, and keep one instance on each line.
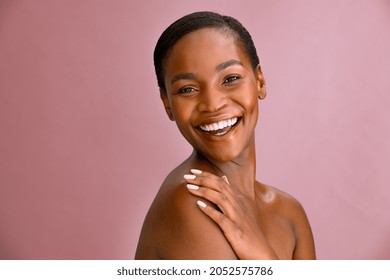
(192,187)
(189,176)
(196,171)
(201,203)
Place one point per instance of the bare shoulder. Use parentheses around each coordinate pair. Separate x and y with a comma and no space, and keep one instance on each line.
(286,203)
(175,228)
(290,209)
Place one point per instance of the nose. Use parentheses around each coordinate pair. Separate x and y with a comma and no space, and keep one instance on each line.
(212,100)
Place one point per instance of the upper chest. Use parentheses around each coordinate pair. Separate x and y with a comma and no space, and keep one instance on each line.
(278,229)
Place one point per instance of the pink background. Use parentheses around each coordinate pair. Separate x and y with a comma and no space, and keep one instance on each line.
(85,143)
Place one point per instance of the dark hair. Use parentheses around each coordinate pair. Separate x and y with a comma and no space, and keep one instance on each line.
(196,21)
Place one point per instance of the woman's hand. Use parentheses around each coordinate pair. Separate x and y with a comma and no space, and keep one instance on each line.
(237,218)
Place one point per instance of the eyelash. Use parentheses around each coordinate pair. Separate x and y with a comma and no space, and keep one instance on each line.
(231,79)
(186,90)
(227,80)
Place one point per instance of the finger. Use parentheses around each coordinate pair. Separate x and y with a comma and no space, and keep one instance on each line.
(223,201)
(223,221)
(208,180)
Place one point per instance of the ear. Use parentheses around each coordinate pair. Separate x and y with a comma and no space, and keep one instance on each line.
(164,99)
(261,89)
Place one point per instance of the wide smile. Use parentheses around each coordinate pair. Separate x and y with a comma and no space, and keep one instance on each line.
(219,128)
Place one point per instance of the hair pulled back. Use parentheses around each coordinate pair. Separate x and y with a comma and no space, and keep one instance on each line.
(196,21)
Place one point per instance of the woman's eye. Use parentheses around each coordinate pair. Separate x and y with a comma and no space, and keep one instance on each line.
(231,79)
(186,90)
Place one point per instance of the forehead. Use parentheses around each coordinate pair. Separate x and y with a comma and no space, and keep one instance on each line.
(203,47)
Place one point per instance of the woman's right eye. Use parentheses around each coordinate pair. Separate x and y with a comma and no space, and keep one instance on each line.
(186,90)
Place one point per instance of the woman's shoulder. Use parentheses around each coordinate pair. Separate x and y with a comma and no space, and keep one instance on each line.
(279,199)
(163,213)
(173,200)
(173,195)
(173,188)
(284,206)
(175,226)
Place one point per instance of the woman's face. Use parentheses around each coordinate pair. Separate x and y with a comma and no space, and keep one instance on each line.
(211,93)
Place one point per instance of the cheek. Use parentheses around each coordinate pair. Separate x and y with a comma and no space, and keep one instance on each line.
(250,105)
(178,109)
(182,112)
(249,101)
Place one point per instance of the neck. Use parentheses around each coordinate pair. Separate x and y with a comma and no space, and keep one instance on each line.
(241,172)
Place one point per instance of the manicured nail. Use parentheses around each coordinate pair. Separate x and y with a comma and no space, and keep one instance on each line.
(196,171)
(189,177)
(226,179)
(201,204)
(192,187)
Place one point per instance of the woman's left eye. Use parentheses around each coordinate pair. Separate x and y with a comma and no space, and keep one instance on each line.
(231,79)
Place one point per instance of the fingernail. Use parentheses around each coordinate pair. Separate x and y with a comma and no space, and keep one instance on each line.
(226,179)
(189,176)
(201,203)
(192,187)
(196,171)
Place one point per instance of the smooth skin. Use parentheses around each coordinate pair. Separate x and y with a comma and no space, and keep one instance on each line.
(211,206)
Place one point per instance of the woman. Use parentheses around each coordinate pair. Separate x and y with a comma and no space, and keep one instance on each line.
(211,206)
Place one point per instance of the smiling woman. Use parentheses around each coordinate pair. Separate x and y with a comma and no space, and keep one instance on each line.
(211,206)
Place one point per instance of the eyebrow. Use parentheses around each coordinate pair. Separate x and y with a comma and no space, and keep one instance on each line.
(219,68)
(227,64)
(184,76)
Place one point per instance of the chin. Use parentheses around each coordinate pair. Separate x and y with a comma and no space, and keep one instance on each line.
(220,157)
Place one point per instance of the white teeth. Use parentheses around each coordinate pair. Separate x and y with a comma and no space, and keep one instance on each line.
(219,125)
